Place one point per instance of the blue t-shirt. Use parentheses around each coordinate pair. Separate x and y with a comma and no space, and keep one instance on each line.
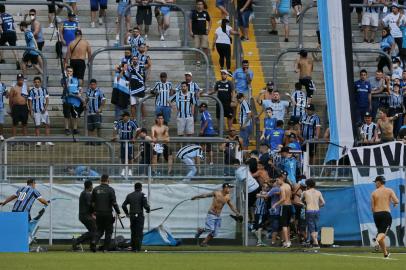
(276,138)
(289,165)
(30,41)
(275,197)
(241,83)
(69,29)
(73,91)
(206,117)
(294,145)
(362,89)
(269,125)
(86,171)
(403,29)
(386,42)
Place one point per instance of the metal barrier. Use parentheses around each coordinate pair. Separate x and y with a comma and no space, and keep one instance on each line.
(295,50)
(154,49)
(44,60)
(237,46)
(218,102)
(35,3)
(173,6)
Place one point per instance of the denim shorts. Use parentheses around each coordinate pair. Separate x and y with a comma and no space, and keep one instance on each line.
(245,135)
(244,18)
(312,220)
(220,3)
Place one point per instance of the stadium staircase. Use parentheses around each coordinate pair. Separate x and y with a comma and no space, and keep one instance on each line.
(174,63)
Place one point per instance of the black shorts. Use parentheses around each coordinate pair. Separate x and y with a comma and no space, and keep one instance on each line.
(30,58)
(260,221)
(40,45)
(308,83)
(19,113)
(296,3)
(71,111)
(9,38)
(144,16)
(51,8)
(286,214)
(79,68)
(300,221)
(383,221)
(167,152)
(228,111)
(252,197)
(139,95)
(94,122)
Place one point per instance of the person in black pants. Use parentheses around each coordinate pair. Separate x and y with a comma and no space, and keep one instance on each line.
(103,200)
(137,202)
(222,42)
(86,217)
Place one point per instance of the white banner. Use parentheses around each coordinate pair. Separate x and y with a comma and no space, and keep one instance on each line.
(183,222)
(386,159)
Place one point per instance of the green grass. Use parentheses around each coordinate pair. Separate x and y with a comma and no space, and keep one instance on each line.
(200,261)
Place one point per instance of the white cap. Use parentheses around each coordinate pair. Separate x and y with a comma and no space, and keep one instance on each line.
(188,73)
(225,71)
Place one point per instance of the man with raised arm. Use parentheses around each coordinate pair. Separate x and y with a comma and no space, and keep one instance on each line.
(213,219)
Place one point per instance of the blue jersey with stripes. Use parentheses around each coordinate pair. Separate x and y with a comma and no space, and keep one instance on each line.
(38,97)
(206,117)
(143,60)
(300,99)
(184,104)
(269,125)
(261,206)
(26,197)
(135,42)
(244,118)
(95,98)
(30,42)
(362,89)
(309,125)
(69,29)
(163,92)
(395,100)
(7,22)
(3,92)
(276,138)
(126,130)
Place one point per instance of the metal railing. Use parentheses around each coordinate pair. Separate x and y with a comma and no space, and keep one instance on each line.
(237,45)
(35,3)
(218,102)
(256,131)
(44,60)
(296,50)
(172,6)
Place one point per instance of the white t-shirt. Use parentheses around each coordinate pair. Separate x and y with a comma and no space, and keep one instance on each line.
(223,38)
(391,21)
(241,175)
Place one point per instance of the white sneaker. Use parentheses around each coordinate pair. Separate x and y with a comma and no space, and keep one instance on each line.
(1,138)
(122,172)
(162,38)
(51,25)
(92,24)
(130,172)
(38,144)
(288,245)
(146,37)
(100,20)
(58,20)
(117,37)
(49,143)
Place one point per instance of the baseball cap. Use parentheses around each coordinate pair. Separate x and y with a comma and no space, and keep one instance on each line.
(203,104)
(396,5)
(125,114)
(367,114)
(283,172)
(188,73)
(225,71)
(270,84)
(70,14)
(302,183)
(292,135)
(310,107)
(227,185)
(285,149)
(20,76)
(380,178)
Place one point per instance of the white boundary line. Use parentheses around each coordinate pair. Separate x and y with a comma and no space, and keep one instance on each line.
(357,256)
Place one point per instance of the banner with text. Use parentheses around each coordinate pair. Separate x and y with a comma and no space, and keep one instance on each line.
(367,162)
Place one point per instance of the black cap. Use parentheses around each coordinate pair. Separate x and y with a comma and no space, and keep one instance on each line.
(292,135)
(367,114)
(203,104)
(227,185)
(70,14)
(270,84)
(285,149)
(78,32)
(303,53)
(310,107)
(380,178)
(282,172)
(20,76)
(292,122)
(125,113)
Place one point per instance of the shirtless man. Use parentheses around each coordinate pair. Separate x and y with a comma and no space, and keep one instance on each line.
(300,223)
(286,207)
(18,106)
(160,133)
(313,200)
(304,66)
(385,126)
(78,50)
(381,199)
(213,219)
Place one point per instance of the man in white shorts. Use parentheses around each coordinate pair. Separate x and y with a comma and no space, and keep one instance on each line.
(213,219)
(38,101)
(370,20)
(185,105)
(187,154)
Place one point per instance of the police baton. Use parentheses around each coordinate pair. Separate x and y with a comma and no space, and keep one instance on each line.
(121,222)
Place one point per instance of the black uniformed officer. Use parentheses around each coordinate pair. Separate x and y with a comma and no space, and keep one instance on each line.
(86,217)
(138,202)
(103,200)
